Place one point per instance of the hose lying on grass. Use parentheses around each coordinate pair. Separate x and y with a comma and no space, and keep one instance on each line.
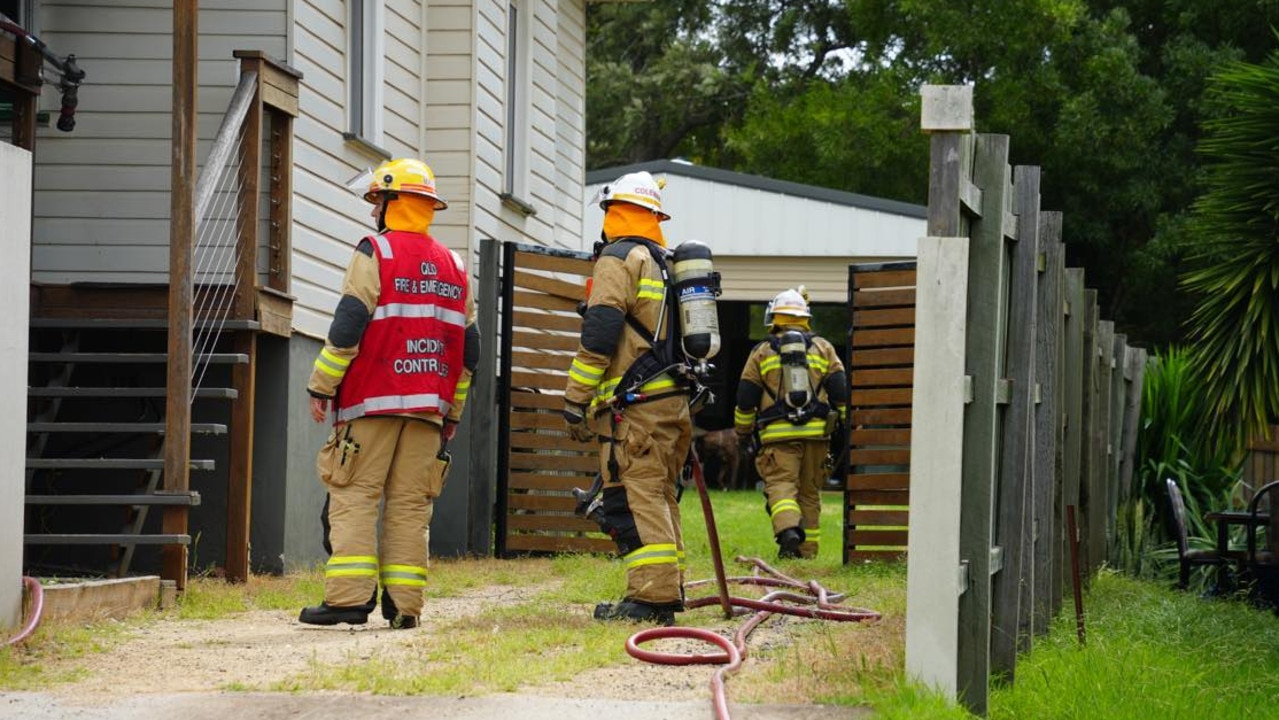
(37,610)
(811,598)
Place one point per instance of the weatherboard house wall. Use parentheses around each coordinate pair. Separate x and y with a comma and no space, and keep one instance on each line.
(768,234)
(511,173)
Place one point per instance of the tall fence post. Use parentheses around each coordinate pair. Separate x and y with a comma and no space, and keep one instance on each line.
(1010,588)
(1099,503)
(1073,360)
(987,298)
(481,408)
(1047,470)
(935,575)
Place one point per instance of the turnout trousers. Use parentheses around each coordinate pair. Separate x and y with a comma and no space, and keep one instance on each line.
(651,443)
(383,458)
(793,473)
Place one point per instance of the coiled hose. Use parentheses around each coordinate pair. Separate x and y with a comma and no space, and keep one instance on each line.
(37,610)
(822,605)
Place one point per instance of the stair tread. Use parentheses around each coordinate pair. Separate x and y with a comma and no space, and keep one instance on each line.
(121,427)
(125,392)
(107,539)
(119,357)
(109,464)
(58,323)
(158,498)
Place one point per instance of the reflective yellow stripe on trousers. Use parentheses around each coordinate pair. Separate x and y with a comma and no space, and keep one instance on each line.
(657,554)
(351,566)
(784,505)
(404,575)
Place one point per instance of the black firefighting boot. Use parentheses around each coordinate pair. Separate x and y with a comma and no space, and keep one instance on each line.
(393,616)
(638,611)
(788,542)
(325,614)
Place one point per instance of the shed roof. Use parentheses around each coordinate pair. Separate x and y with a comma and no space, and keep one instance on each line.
(749,215)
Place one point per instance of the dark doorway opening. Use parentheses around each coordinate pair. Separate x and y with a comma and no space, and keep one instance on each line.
(741,327)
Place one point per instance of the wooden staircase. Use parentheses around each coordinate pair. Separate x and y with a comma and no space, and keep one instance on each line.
(95,411)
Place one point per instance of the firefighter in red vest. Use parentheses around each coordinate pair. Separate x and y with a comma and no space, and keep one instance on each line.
(395,368)
(793,395)
(622,394)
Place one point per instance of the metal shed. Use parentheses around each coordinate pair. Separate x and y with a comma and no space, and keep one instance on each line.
(768,234)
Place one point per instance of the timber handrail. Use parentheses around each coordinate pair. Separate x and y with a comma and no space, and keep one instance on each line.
(224,142)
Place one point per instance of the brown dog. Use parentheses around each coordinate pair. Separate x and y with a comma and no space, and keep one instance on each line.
(717,449)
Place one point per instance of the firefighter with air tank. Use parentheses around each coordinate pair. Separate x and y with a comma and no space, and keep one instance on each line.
(649,326)
(792,396)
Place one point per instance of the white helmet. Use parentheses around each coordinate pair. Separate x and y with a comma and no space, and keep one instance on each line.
(787,302)
(637,188)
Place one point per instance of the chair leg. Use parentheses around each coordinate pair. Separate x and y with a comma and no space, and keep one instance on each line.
(1183,579)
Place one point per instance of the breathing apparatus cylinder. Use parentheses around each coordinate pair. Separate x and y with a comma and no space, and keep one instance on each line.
(696,287)
(793,349)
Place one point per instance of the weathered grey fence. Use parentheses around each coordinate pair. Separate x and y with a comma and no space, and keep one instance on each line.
(1025,404)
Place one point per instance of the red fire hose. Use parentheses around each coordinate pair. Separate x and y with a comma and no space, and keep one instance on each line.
(821,603)
(37,610)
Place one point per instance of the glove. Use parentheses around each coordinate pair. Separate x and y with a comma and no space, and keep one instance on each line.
(746,444)
(448,430)
(575,417)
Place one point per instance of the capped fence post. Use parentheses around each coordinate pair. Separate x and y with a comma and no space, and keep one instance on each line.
(935,577)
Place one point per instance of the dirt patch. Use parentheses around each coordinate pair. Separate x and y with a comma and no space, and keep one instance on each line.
(263,649)
(259,648)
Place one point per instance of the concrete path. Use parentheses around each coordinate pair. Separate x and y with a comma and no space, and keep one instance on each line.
(335,706)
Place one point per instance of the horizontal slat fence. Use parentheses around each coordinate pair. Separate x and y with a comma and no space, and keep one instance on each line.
(539,463)
(880,363)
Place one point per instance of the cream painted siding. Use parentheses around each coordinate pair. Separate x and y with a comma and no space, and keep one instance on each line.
(570,123)
(328,220)
(452,43)
(757,279)
(102,191)
(553,152)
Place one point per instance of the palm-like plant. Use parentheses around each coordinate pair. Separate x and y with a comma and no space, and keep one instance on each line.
(1234,329)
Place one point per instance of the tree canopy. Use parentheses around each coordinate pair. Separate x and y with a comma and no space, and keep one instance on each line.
(1107,96)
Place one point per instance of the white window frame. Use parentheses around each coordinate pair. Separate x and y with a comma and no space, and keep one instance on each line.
(366,74)
(515,171)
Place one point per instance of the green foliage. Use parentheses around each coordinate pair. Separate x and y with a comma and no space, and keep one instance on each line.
(1235,325)
(1107,96)
(860,133)
(655,83)
(1172,443)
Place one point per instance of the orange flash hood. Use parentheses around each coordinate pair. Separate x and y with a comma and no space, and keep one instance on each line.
(410,213)
(624,219)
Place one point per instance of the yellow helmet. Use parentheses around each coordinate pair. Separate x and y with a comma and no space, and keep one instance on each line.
(408,176)
(637,188)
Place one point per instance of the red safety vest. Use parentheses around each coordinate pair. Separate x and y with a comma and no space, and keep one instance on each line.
(410,356)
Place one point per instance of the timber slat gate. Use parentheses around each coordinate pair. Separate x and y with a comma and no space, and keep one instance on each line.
(880,363)
(538,462)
